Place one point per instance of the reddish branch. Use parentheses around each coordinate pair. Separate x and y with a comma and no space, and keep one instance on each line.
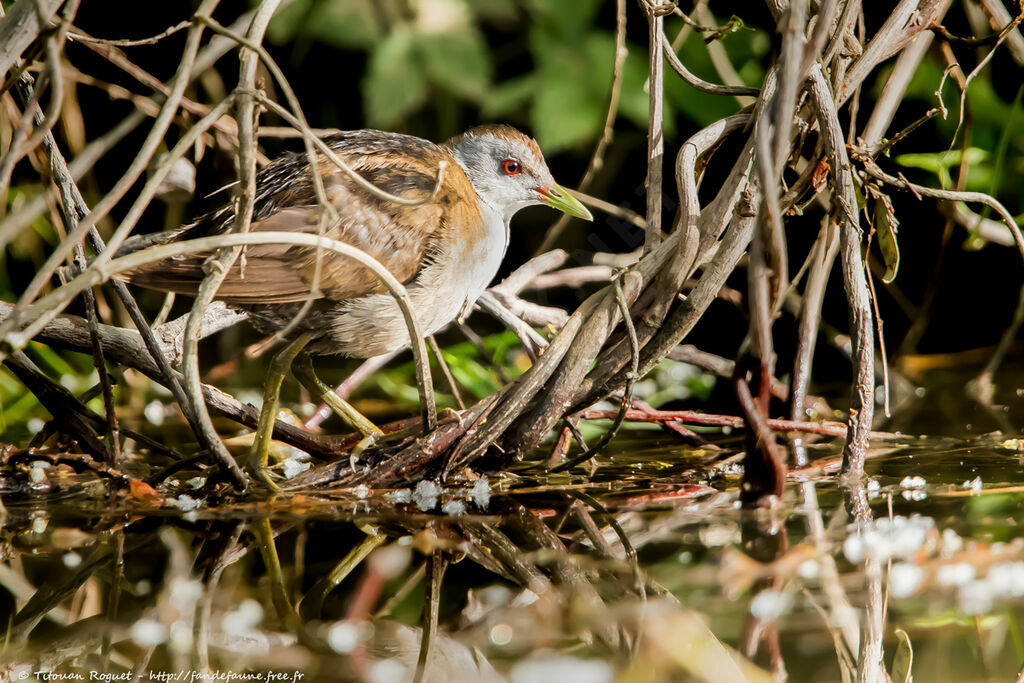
(825,428)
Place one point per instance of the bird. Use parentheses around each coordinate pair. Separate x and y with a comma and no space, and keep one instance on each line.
(445,249)
(444,241)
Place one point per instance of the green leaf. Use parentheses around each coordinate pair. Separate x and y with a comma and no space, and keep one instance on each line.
(468,372)
(903,662)
(508,96)
(495,10)
(567,18)
(458,62)
(633,100)
(886,226)
(345,23)
(342,23)
(564,114)
(288,21)
(394,84)
(571,98)
(936,162)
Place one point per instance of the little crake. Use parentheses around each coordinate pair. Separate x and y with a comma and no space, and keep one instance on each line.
(446,250)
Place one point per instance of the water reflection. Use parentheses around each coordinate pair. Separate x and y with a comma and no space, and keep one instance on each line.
(647,572)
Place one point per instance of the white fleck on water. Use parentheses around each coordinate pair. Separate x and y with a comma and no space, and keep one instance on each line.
(974,485)
(37,473)
(951,543)
(148,633)
(426,494)
(914,482)
(548,667)
(343,637)
(770,604)
(293,468)
(185,502)
(243,619)
(72,559)
(809,570)
(154,412)
(959,574)
(387,671)
(884,538)
(904,579)
(39,524)
(975,597)
(454,508)
(481,493)
(362,492)
(716,535)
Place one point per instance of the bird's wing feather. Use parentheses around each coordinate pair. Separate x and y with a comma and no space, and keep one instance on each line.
(399,236)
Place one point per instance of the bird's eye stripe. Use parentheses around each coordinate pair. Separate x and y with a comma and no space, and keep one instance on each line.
(511,166)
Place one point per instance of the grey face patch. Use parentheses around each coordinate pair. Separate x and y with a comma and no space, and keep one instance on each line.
(482,158)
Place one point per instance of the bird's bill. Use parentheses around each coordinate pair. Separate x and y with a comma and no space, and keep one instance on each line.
(557,197)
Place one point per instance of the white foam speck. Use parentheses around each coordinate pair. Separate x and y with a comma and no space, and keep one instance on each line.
(544,669)
(185,503)
(293,468)
(770,604)
(241,620)
(904,579)
(148,633)
(959,574)
(343,637)
(387,671)
(426,494)
(454,508)
(154,412)
(481,493)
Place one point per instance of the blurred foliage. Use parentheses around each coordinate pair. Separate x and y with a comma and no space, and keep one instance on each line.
(423,52)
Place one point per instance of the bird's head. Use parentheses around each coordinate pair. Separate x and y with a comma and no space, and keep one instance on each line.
(508,171)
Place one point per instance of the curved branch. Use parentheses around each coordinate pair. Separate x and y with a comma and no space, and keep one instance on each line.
(988,200)
(698,83)
(102,271)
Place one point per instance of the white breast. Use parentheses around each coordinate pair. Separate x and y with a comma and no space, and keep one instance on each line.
(451,283)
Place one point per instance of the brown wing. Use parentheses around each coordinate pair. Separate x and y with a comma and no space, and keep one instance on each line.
(398,236)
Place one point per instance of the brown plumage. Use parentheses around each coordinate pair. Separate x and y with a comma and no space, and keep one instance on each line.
(398,236)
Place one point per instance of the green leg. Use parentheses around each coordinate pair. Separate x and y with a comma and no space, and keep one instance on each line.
(312,603)
(303,369)
(271,400)
(278,592)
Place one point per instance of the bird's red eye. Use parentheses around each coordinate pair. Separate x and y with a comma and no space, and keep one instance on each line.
(511,167)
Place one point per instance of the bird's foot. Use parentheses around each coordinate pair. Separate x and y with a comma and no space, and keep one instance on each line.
(367,441)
